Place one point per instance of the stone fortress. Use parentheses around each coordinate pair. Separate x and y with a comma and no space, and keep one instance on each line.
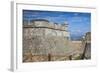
(44,38)
(41,37)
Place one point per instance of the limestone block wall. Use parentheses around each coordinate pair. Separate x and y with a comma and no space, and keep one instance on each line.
(41,38)
(40,23)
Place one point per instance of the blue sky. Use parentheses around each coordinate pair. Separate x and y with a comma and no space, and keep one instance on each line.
(79,23)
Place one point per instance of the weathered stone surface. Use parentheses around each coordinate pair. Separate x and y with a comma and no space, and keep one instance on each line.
(41,38)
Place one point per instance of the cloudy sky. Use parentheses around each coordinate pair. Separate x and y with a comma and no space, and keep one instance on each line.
(79,23)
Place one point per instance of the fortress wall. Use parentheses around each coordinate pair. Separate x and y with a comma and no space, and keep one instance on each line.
(66,34)
(41,23)
(27,32)
(42,40)
(59,33)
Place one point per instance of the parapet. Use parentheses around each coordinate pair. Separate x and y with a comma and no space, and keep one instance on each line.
(43,23)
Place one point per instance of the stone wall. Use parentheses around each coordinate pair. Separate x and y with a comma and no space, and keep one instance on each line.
(43,38)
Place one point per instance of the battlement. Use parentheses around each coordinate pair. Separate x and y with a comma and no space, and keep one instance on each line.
(42,23)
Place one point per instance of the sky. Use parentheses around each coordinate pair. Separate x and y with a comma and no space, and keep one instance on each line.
(78,23)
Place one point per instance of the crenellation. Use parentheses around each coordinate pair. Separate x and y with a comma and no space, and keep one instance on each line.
(46,24)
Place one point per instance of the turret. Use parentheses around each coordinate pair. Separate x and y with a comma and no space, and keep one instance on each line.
(65,26)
